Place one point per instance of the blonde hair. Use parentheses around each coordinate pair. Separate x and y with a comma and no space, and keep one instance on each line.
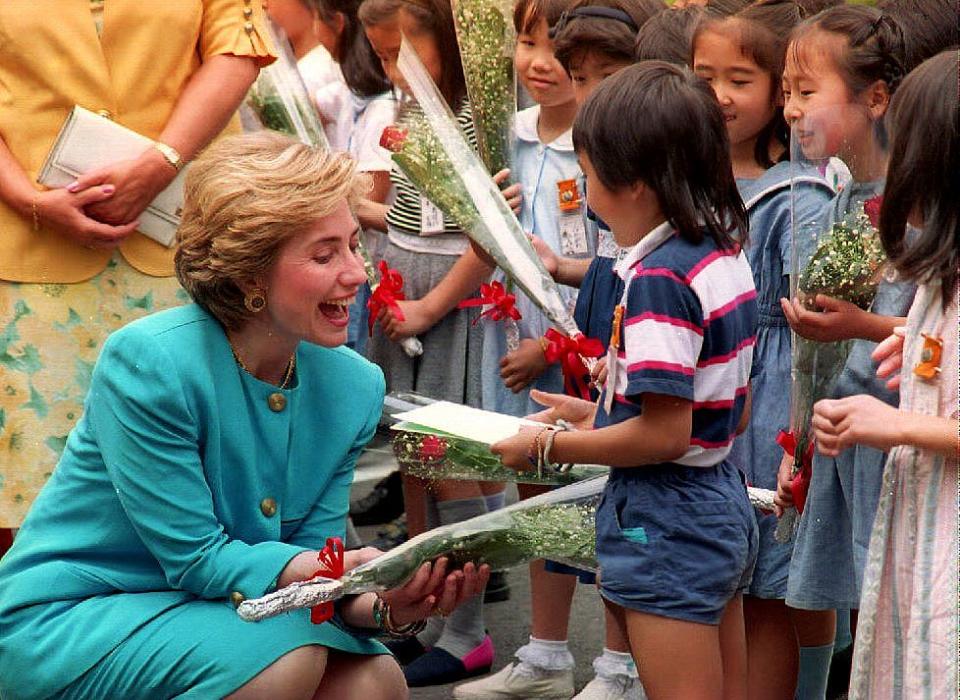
(244,198)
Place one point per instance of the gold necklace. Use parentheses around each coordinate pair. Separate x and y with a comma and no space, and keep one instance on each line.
(287,373)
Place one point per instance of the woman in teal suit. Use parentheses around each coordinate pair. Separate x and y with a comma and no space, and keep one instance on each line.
(214,456)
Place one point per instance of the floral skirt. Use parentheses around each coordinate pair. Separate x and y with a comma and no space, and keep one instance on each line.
(50,337)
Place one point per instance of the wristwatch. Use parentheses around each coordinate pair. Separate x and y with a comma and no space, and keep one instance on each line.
(170,154)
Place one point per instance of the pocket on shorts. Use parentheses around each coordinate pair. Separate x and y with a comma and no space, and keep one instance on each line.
(706,546)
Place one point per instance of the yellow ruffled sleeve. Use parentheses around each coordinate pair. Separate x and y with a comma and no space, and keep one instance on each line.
(236,27)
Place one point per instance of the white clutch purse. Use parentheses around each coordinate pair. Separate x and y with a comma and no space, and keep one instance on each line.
(87,141)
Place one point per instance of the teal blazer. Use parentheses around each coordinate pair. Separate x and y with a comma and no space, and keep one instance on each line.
(185,478)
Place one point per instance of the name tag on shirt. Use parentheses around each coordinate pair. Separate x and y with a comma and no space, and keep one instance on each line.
(431,218)
(573,231)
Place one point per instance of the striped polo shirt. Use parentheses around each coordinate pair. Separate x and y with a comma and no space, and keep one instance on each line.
(688,330)
(404,213)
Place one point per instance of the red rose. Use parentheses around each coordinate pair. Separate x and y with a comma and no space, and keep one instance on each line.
(393,138)
(432,448)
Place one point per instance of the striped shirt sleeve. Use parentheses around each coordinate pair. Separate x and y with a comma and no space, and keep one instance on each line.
(662,335)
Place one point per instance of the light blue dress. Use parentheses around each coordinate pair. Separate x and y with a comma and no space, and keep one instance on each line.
(769,200)
(834,531)
(538,167)
(187,482)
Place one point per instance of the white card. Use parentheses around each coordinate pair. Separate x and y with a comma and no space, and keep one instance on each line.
(431,218)
(573,235)
(466,422)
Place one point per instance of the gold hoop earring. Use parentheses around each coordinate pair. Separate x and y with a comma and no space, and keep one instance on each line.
(255,301)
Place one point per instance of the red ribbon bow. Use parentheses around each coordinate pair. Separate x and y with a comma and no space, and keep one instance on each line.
(495,296)
(386,295)
(569,352)
(331,566)
(800,483)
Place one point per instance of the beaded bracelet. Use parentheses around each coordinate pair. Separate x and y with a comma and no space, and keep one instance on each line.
(385,623)
(562,468)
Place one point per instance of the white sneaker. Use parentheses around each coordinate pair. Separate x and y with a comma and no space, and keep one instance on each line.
(507,684)
(617,688)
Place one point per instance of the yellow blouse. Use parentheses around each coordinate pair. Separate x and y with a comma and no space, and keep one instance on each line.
(51,60)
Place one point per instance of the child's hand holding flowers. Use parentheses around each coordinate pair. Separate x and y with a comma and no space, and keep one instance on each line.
(521,367)
(835,320)
(519,452)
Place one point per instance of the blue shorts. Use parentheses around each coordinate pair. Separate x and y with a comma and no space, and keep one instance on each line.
(674,541)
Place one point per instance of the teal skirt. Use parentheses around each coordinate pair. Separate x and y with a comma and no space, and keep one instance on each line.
(202,649)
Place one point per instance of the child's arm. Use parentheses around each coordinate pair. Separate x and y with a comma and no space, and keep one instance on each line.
(420,315)
(371,211)
(463,279)
(842,423)
(660,434)
(838,320)
(568,271)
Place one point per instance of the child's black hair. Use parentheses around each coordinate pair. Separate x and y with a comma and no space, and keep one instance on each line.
(575,36)
(874,49)
(676,144)
(762,31)
(434,17)
(362,70)
(929,27)
(923,176)
(667,35)
(526,13)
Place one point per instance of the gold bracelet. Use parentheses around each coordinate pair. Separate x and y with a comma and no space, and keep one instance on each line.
(170,154)
(35,212)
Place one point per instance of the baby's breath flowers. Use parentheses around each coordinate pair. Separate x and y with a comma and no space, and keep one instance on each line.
(487,39)
(557,525)
(846,264)
(434,456)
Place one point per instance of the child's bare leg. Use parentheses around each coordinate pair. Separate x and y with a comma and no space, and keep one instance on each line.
(551,596)
(657,643)
(415,504)
(772,650)
(733,650)
(615,637)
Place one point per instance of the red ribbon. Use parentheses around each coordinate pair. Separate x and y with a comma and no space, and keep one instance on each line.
(495,296)
(386,295)
(331,566)
(569,352)
(800,483)
(871,208)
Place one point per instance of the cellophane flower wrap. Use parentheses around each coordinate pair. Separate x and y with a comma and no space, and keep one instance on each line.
(487,41)
(433,454)
(278,100)
(433,153)
(558,525)
(839,255)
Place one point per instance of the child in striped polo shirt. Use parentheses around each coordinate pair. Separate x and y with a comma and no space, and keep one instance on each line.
(676,537)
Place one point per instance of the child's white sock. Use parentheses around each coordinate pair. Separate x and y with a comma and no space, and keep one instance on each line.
(543,656)
(611,664)
(814,672)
